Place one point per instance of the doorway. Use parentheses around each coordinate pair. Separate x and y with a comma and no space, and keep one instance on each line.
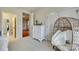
(9,24)
(25,30)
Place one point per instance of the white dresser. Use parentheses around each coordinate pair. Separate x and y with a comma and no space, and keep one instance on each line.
(39,32)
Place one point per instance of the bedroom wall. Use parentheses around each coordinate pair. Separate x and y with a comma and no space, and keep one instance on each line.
(69,13)
(41,14)
(49,16)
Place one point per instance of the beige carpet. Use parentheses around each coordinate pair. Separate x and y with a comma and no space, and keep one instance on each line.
(29,44)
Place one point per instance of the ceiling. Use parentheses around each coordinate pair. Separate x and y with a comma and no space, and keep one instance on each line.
(34,9)
(30,9)
(54,9)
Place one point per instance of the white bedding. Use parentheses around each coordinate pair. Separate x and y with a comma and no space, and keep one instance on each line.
(56,34)
(59,39)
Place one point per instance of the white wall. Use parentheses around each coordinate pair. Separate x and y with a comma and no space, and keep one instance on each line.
(69,13)
(49,23)
(41,14)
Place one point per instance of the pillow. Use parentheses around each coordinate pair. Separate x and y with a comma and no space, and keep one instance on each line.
(57,33)
(59,39)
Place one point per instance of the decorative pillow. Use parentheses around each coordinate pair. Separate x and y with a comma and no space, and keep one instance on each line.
(59,39)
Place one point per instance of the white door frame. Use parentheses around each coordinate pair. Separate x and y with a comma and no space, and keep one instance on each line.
(30,23)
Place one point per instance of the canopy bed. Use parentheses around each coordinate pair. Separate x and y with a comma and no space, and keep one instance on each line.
(66,34)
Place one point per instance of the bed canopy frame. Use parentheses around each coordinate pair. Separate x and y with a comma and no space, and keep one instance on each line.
(67,23)
(62,24)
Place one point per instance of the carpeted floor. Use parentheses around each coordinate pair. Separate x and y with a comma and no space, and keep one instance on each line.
(29,44)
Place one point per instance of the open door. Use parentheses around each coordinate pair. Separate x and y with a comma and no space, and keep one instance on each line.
(25,31)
